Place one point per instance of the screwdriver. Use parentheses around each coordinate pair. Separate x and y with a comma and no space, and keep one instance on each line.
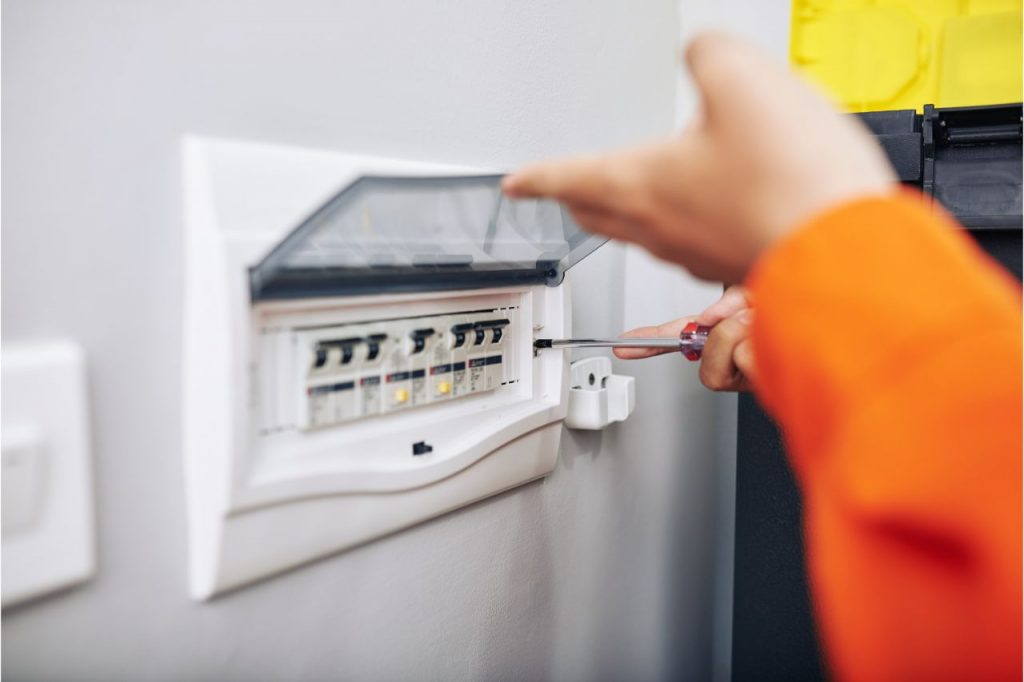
(690,342)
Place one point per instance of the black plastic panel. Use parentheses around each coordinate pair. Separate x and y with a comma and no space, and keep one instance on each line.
(980,185)
(899,133)
(968,159)
(774,638)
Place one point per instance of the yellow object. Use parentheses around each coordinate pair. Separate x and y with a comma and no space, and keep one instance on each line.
(444,387)
(902,54)
(401,395)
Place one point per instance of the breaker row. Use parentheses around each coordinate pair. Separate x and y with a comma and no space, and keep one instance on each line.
(355,371)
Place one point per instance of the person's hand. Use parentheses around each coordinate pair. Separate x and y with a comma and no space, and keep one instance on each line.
(765,155)
(727,363)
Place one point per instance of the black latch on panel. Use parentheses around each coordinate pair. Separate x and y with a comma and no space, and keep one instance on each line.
(966,158)
(553,271)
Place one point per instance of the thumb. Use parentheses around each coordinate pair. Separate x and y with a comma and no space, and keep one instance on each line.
(710,59)
(735,78)
(732,301)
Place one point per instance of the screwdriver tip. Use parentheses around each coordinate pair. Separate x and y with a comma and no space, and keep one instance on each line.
(542,343)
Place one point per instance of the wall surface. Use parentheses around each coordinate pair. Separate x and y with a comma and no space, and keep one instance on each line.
(605,570)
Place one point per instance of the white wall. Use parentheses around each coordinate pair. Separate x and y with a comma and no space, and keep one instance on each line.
(603,571)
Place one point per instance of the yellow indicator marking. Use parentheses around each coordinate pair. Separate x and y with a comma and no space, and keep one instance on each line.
(444,387)
(401,395)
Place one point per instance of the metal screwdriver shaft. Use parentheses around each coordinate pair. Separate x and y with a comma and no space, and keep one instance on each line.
(607,343)
(690,342)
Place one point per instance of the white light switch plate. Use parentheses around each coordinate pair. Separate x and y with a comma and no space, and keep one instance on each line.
(48,525)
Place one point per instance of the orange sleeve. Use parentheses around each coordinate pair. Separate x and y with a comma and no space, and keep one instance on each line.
(888,349)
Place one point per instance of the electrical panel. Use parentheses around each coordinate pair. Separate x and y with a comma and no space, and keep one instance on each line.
(359,350)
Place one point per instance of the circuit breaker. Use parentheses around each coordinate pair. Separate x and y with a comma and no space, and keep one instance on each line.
(378,367)
(359,349)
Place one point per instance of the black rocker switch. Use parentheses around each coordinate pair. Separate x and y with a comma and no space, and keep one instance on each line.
(373,342)
(419,338)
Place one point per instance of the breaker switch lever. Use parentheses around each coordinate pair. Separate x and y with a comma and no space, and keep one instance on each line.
(419,338)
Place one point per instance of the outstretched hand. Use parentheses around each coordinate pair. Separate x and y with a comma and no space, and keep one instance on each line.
(765,154)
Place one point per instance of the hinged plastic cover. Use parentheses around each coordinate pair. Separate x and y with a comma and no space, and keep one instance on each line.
(386,234)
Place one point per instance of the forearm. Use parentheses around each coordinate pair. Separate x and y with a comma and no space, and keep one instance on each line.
(888,349)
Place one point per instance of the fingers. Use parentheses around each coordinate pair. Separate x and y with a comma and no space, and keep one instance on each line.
(732,301)
(718,369)
(601,222)
(743,356)
(586,181)
(612,183)
(670,330)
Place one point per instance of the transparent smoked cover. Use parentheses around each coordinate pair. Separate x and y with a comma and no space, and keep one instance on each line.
(386,234)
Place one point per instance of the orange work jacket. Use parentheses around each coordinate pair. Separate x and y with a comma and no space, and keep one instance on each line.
(888,348)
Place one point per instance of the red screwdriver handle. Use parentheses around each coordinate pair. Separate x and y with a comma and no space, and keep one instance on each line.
(692,340)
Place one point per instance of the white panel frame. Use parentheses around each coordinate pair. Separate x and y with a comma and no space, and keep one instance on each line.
(253,512)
